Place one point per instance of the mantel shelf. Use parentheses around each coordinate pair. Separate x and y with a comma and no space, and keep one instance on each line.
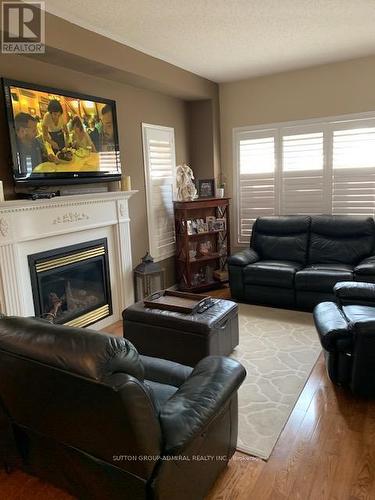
(66,200)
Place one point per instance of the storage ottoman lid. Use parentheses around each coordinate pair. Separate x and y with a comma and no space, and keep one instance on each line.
(203,322)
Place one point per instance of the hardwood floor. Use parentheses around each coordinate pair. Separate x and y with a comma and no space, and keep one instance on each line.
(326,451)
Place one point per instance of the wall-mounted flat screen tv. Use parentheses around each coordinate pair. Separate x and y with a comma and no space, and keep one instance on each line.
(61,137)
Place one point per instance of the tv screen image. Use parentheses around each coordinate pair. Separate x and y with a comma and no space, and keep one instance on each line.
(58,136)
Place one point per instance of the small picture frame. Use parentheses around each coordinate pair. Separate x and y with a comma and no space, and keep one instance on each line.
(192,250)
(204,248)
(219,225)
(206,188)
(210,221)
(223,220)
(189,225)
(201,226)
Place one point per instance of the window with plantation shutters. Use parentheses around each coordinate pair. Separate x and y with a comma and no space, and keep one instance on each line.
(353,172)
(159,164)
(302,174)
(307,167)
(256,179)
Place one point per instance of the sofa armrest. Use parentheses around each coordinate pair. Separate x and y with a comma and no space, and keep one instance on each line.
(354,292)
(366,267)
(331,325)
(363,376)
(164,371)
(198,401)
(243,258)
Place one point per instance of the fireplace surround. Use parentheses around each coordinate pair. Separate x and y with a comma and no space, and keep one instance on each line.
(33,227)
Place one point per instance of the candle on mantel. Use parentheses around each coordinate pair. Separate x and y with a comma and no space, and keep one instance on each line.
(126,184)
(1,191)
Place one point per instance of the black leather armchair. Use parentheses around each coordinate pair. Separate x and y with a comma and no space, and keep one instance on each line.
(84,411)
(347,334)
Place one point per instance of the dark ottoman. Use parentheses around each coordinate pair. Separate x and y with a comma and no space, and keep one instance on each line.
(184,338)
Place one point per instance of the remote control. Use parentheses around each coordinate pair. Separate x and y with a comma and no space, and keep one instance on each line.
(39,195)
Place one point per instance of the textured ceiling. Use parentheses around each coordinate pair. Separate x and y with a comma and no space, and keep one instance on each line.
(226,40)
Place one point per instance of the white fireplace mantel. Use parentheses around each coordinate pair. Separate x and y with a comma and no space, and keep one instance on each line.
(28,227)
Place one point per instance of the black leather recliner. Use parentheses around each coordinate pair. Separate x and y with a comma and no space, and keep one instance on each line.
(295,261)
(84,411)
(347,333)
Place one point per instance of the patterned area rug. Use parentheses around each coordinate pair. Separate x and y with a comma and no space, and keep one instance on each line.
(278,348)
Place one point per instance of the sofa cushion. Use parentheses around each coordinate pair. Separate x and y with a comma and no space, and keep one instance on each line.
(322,277)
(159,393)
(366,267)
(277,273)
(340,239)
(281,238)
(356,314)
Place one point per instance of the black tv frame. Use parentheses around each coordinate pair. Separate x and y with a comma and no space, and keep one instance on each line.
(61,178)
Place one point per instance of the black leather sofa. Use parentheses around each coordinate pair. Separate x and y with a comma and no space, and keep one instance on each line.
(85,412)
(347,333)
(295,261)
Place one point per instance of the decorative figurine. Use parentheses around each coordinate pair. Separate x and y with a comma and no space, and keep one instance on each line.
(186,190)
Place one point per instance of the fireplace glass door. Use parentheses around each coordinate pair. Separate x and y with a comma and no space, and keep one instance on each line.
(72,286)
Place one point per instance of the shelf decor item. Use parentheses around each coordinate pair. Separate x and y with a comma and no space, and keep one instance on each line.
(126,184)
(202,243)
(220,191)
(210,219)
(206,188)
(149,277)
(186,190)
(219,224)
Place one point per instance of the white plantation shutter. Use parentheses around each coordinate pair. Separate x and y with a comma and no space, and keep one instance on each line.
(256,179)
(353,172)
(306,167)
(302,184)
(160,164)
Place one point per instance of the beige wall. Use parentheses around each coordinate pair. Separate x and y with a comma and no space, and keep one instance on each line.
(145,88)
(320,91)
(134,106)
(204,135)
(100,54)
(201,137)
(74,47)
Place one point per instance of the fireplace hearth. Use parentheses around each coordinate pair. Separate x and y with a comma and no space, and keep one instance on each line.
(71,285)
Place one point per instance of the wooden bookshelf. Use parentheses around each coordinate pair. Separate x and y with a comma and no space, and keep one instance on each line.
(202,242)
